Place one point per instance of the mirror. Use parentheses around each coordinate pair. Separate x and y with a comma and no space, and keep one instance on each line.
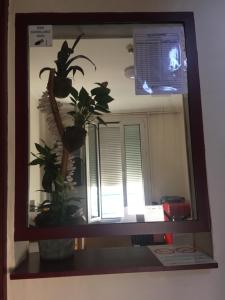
(135,163)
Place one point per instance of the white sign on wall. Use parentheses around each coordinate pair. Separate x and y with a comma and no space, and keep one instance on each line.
(40,36)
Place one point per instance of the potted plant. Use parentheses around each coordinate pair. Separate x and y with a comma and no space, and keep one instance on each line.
(59,209)
(57,161)
(62,84)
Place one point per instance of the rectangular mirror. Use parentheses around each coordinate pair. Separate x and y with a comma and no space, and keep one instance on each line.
(138,166)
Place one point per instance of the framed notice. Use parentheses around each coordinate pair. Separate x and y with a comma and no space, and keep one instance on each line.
(160,60)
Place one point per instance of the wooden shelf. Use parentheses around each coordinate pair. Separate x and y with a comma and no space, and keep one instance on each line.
(98,261)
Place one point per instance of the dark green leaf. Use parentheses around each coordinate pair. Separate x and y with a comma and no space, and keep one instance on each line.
(78,57)
(100,91)
(77,41)
(43,70)
(84,97)
(73,100)
(108,99)
(103,100)
(74,69)
(37,161)
(103,84)
(64,47)
(74,93)
(102,108)
(64,53)
(97,113)
(47,181)
(34,154)
(40,148)
(61,69)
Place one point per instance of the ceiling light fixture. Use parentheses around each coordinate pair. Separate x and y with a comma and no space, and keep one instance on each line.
(129,71)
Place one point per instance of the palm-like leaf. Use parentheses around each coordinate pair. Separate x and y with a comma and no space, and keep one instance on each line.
(64,65)
(43,70)
(79,57)
(74,69)
(77,41)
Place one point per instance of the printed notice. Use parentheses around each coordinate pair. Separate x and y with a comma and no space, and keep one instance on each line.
(160,60)
(172,255)
(154,213)
(40,36)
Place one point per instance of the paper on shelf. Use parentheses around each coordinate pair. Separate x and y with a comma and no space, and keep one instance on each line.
(172,255)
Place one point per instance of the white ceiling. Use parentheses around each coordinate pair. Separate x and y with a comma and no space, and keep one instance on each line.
(111,58)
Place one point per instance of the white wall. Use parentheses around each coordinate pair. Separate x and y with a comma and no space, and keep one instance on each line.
(207,284)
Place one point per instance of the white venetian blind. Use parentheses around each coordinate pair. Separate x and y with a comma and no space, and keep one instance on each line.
(111,171)
(133,165)
(93,171)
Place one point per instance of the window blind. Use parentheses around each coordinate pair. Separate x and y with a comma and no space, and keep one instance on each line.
(111,171)
(133,165)
(93,172)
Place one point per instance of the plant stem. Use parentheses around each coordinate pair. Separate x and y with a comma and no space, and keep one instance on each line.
(58,121)
(54,106)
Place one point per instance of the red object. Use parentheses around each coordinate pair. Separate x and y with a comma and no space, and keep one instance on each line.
(175,212)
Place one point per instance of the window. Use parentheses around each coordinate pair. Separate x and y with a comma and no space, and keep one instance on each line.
(120,192)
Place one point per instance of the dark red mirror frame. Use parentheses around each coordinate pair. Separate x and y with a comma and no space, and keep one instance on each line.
(3,146)
(22,232)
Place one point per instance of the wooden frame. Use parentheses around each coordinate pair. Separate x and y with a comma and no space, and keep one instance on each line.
(99,261)
(3,146)
(22,232)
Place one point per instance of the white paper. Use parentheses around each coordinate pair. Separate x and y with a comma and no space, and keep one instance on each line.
(172,255)
(40,36)
(154,213)
(160,60)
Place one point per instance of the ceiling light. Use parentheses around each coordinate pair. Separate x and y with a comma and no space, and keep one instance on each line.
(129,72)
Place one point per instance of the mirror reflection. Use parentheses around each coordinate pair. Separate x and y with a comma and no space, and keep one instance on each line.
(130,159)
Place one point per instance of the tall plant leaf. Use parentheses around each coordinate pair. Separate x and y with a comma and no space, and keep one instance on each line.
(74,69)
(43,70)
(77,41)
(78,57)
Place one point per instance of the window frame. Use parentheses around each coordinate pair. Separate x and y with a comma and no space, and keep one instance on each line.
(203,223)
(3,146)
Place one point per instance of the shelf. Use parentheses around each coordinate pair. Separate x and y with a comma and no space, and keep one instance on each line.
(99,261)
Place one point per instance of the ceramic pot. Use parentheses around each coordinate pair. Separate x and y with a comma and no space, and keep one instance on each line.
(56,249)
(62,87)
(74,138)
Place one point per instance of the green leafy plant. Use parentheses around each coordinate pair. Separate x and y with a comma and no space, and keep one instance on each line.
(63,84)
(59,209)
(87,108)
(52,179)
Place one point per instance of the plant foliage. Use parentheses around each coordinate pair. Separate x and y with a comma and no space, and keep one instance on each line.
(52,179)
(88,107)
(64,64)
(59,209)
